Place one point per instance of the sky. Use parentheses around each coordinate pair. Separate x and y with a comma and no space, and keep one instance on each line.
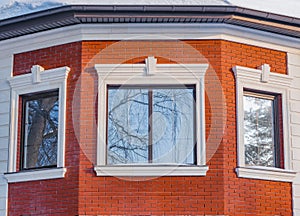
(287,7)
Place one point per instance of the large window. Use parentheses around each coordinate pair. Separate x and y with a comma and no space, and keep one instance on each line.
(39,130)
(262,129)
(151,119)
(151,125)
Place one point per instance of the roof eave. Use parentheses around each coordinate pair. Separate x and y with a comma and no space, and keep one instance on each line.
(76,14)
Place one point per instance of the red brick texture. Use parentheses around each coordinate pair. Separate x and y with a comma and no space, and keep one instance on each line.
(219,192)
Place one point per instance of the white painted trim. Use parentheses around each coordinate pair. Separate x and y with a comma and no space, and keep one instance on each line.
(276,83)
(147,31)
(119,74)
(265,173)
(150,170)
(35,175)
(23,84)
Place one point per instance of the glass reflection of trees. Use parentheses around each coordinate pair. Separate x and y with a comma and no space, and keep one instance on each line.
(40,130)
(259,131)
(151,125)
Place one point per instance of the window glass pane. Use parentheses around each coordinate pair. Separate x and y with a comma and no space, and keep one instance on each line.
(150,125)
(259,131)
(127,136)
(40,131)
(173,126)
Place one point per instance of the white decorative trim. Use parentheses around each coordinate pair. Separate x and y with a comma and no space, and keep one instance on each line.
(265,69)
(255,79)
(39,80)
(150,65)
(36,73)
(265,173)
(151,170)
(134,74)
(148,31)
(35,175)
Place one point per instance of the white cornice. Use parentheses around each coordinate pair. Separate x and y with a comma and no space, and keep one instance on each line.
(48,75)
(86,32)
(132,70)
(250,74)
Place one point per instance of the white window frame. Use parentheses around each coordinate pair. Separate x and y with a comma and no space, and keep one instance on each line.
(37,81)
(263,80)
(148,74)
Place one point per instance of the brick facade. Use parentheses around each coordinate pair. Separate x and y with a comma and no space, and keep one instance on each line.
(219,192)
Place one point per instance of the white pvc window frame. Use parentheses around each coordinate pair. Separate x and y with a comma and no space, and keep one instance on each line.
(150,74)
(39,80)
(265,81)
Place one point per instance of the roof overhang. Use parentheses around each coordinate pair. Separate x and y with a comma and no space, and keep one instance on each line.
(107,14)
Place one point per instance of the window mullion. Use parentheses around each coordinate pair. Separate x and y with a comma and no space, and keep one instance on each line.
(150,128)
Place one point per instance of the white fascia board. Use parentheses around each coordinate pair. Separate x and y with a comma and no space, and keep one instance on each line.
(147,31)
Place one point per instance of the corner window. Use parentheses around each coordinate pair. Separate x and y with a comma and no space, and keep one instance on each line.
(39,130)
(39,104)
(151,125)
(262,129)
(151,119)
(263,143)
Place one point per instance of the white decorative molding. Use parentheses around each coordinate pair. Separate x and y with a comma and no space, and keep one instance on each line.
(265,173)
(265,72)
(262,80)
(134,74)
(38,81)
(254,76)
(151,170)
(36,73)
(35,175)
(150,65)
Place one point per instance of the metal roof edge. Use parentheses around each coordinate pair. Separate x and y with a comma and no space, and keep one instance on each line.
(75,14)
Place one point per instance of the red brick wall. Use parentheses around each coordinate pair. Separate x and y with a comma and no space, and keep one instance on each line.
(220,192)
(244,195)
(52,197)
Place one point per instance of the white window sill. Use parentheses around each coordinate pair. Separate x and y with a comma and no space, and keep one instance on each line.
(151,170)
(34,175)
(266,173)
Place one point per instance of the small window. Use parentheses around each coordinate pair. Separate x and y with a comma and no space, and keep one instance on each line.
(262,129)
(263,141)
(39,130)
(151,125)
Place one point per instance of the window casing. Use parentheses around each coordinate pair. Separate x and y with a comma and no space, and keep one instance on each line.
(272,89)
(32,85)
(146,77)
